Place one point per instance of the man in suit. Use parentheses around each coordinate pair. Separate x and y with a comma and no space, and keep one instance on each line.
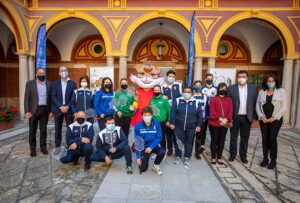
(37,108)
(244,96)
(61,95)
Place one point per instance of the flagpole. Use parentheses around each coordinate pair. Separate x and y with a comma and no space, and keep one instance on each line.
(40,52)
(191,51)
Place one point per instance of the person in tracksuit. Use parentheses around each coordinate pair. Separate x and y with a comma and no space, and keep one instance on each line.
(79,138)
(173,90)
(112,143)
(161,112)
(103,102)
(82,99)
(200,137)
(150,131)
(209,90)
(187,116)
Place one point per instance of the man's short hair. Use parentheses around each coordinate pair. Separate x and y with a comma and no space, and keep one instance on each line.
(170,72)
(242,72)
(147,109)
(209,74)
(108,119)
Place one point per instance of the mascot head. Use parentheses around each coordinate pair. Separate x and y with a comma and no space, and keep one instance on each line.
(147,77)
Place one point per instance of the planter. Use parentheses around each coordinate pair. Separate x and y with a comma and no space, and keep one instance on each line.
(6,125)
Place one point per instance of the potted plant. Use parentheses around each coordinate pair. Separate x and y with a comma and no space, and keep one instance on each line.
(7,117)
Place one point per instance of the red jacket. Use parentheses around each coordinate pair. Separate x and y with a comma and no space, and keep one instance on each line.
(215,109)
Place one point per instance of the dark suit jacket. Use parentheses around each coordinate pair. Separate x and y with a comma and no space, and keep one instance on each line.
(233,93)
(56,95)
(31,98)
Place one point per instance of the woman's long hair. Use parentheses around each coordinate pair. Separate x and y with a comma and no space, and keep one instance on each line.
(102,85)
(221,85)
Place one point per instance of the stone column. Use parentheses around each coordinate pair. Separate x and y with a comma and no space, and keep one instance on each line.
(123,67)
(297,95)
(198,68)
(211,63)
(110,61)
(287,84)
(23,78)
(31,67)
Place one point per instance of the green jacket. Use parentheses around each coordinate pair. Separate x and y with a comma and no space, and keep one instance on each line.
(122,103)
(161,109)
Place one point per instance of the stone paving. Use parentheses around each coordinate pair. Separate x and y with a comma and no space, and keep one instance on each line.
(43,179)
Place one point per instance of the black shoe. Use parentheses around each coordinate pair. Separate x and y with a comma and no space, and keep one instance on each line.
(44,151)
(169,153)
(75,162)
(33,153)
(87,165)
(231,159)
(244,161)
(272,164)
(264,163)
(202,149)
(197,156)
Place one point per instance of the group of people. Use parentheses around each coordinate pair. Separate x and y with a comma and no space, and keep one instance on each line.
(177,117)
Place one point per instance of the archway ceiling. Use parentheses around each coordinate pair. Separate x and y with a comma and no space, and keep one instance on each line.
(6,35)
(67,33)
(256,34)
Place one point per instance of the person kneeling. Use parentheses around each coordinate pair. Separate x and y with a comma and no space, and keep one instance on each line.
(150,131)
(112,143)
(79,139)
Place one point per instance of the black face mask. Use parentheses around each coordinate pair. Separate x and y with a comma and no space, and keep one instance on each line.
(80,120)
(41,77)
(107,86)
(223,92)
(124,87)
(157,94)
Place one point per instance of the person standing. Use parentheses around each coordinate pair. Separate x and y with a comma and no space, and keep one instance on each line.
(200,136)
(37,108)
(270,106)
(103,102)
(161,112)
(173,90)
(220,108)
(209,90)
(244,96)
(186,118)
(61,95)
(82,99)
(123,100)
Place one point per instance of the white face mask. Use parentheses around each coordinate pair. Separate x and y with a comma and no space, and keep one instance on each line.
(187,96)
(147,119)
(64,74)
(242,81)
(83,84)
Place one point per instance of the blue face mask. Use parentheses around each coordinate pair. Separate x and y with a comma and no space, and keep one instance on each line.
(209,82)
(110,127)
(197,89)
(271,85)
(147,119)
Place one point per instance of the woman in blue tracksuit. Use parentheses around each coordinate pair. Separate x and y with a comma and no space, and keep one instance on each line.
(103,102)
(82,99)
(187,116)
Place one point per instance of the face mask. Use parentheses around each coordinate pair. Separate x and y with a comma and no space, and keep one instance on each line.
(107,86)
(223,92)
(156,94)
(242,81)
(187,96)
(83,84)
(271,85)
(147,119)
(209,82)
(197,89)
(80,120)
(170,80)
(124,87)
(64,74)
(41,77)
(110,127)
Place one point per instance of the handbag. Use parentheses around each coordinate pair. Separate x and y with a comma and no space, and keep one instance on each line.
(228,124)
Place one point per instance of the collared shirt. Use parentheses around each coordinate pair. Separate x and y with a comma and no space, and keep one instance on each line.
(42,93)
(63,88)
(243,92)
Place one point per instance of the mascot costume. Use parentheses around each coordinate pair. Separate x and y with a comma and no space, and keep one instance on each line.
(145,80)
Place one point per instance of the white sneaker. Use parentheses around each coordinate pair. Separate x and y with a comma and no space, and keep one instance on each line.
(176,161)
(156,168)
(153,156)
(186,163)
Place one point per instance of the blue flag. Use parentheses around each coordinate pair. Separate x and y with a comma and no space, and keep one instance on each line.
(191,52)
(40,53)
